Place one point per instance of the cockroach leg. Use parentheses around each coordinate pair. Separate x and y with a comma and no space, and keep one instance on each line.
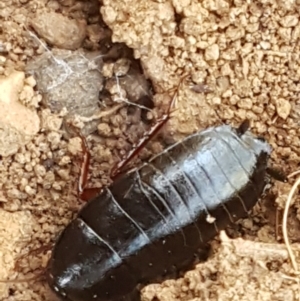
(84,165)
(117,169)
(243,128)
(276,174)
(84,193)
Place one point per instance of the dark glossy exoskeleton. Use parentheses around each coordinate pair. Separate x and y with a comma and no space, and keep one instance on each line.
(152,221)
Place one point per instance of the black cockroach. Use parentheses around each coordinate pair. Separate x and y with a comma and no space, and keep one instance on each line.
(154,220)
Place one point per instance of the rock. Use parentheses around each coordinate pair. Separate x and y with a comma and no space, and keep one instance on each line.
(283,108)
(18,123)
(212,52)
(59,30)
(70,80)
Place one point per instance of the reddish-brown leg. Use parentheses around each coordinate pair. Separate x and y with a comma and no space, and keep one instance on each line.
(117,169)
(83,192)
(84,168)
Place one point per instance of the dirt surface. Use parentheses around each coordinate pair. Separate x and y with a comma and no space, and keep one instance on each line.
(243,61)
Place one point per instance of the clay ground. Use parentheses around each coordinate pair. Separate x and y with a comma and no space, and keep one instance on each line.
(244,58)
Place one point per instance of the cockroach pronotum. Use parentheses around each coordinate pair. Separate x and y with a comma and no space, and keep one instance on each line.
(154,220)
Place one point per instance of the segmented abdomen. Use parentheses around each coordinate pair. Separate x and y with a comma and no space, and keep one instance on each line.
(152,221)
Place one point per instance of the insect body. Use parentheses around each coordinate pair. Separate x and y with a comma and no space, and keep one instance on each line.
(153,221)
